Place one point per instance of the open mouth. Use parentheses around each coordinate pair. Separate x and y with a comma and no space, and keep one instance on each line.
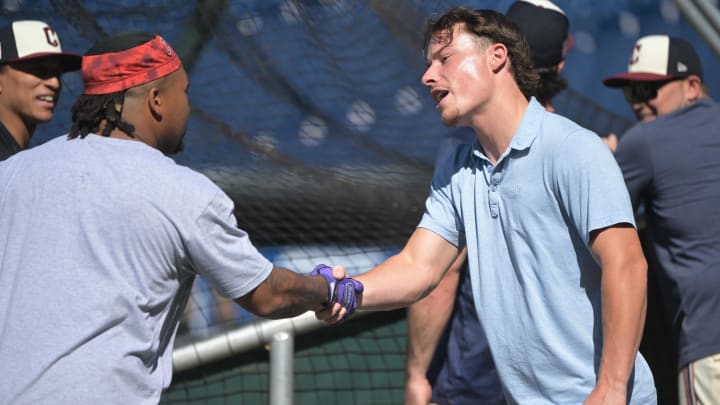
(438,95)
(47,99)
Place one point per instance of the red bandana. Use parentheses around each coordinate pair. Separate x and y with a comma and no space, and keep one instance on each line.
(117,71)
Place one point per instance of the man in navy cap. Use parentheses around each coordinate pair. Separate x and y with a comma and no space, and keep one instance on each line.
(672,165)
(31,62)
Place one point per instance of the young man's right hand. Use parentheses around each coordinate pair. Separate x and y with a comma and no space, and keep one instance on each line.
(343,294)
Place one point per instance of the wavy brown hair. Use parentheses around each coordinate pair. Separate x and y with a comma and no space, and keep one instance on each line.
(494,27)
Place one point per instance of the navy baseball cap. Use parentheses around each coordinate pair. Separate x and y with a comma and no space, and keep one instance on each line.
(29,39)
(545,27)
(657,58)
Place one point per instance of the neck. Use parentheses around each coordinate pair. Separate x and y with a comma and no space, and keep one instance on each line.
(120,134)
(18,129)
(496,127)
(135,137)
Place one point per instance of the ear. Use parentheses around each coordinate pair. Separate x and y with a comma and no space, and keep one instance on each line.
(154,103)
(497,56)
(693,88)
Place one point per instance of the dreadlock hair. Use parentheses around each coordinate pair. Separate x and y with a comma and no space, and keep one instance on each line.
(490,27)
(91,111)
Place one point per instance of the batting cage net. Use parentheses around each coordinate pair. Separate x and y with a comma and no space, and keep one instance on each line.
(311,116)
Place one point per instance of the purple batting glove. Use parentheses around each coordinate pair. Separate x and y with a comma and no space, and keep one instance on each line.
(344,291)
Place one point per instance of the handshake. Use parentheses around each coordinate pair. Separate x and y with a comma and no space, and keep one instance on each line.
(343,292)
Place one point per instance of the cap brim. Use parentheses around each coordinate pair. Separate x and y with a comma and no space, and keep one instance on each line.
(70,61)
(622,79)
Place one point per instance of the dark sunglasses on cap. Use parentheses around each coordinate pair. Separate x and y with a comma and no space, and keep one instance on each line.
(638,92)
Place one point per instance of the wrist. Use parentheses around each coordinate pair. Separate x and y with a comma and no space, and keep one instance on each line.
(415,373)
(613,385)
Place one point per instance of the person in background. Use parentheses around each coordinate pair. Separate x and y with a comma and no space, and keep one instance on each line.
(31,63)
(547,30)
(448,358)
(557,271)
(671,165)
(657,344)
(103,234)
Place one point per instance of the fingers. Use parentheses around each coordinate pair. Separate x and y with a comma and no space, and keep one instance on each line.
(332,314)
(339,272)
(345,294)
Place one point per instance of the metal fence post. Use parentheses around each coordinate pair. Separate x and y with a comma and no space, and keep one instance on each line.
(281,368)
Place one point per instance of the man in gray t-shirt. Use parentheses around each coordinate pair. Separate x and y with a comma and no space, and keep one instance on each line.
(101,236)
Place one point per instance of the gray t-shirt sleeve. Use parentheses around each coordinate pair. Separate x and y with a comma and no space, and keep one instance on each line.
(223,253)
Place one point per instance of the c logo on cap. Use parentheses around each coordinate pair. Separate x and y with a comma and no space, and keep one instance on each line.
(50,36)
(635,55)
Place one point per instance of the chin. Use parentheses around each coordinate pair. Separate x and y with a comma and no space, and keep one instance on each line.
(450,121)
(44,118)
(178,148)
(171,146)
(644,117)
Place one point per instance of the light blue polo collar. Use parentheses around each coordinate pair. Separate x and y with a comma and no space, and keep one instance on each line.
(528,129)
(525,135)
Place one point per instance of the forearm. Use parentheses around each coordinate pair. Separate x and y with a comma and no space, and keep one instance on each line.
(624,297)
(285,294)
(624,300)
(382,282)
(410,275)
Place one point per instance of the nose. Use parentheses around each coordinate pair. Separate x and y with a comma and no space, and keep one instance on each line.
(53,82)
(428,78)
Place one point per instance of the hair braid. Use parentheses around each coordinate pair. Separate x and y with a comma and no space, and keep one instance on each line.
(90,111)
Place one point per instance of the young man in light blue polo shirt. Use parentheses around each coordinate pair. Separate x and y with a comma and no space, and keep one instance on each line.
(448,359)
(558,274)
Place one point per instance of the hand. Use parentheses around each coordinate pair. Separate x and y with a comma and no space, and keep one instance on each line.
(611,140)
(343,292)
(417,390)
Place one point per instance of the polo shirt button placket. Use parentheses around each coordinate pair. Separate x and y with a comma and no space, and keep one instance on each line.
(494,199)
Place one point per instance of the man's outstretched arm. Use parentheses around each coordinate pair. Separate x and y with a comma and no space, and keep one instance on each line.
(403,278)
(285,294)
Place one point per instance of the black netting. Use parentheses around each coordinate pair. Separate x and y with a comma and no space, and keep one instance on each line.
(311,116)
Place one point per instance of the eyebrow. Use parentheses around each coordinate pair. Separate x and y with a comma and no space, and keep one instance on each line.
(433,55)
